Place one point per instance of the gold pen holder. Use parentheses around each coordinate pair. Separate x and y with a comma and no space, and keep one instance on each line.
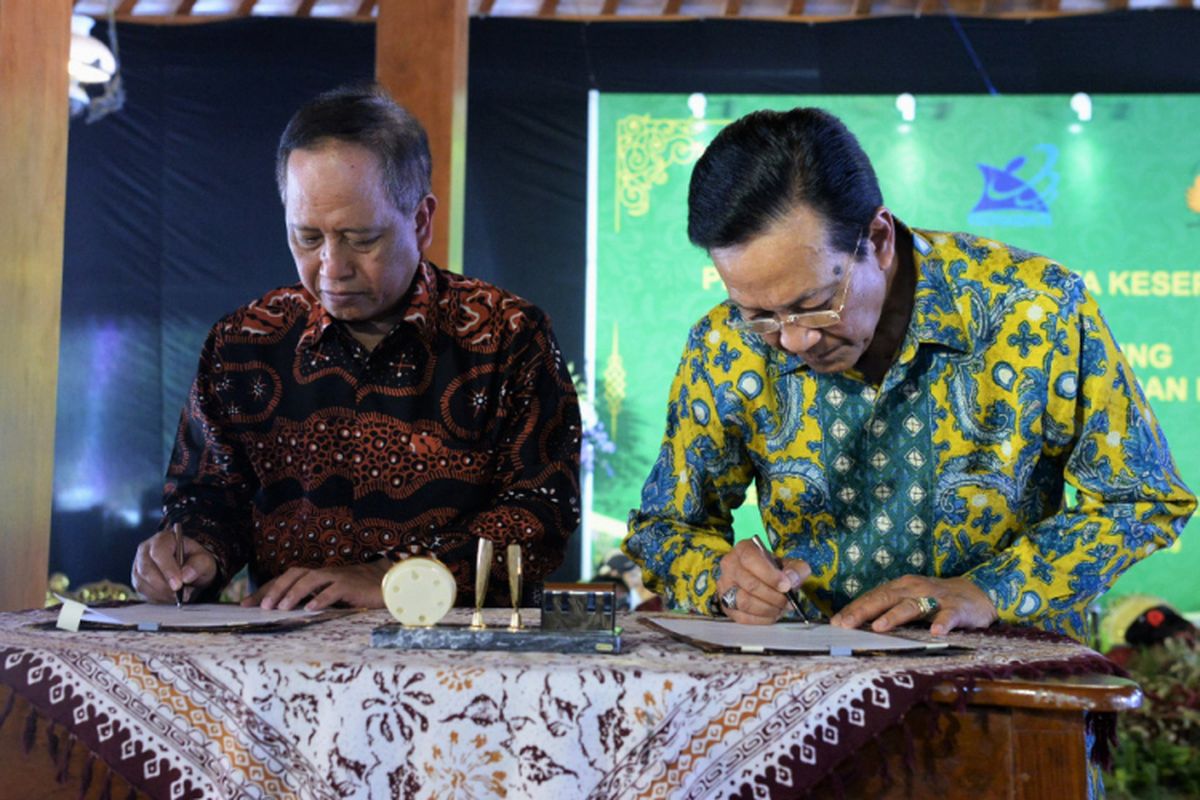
(582,619)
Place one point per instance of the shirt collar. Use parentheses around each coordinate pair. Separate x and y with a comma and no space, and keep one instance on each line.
(419,304)
(936,318)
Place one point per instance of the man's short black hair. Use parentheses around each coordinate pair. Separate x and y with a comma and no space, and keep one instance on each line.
(762,166)
(363,114)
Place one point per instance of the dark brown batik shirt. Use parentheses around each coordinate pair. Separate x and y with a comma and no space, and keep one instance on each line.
(299,447)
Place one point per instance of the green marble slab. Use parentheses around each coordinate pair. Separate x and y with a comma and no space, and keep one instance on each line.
(461,637)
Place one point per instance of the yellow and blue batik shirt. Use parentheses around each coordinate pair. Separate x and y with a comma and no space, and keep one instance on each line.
(1008,386)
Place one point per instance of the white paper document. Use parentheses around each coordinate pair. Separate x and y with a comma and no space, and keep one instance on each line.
(785,637)
(152,616)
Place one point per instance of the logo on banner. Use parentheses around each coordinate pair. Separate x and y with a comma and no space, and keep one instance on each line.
(1019,194)
(1193,197)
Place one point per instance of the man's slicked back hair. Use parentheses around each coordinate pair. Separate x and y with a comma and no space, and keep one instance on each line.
(363,114)
(762,166)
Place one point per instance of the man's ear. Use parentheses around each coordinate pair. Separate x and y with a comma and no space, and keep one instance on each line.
(881,233)
(423,219)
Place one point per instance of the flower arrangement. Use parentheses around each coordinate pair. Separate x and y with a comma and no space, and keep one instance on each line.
(595,437)
(1158,745)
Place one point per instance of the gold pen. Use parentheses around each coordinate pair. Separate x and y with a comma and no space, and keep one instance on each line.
(515,574)
(179,561)
(483,568)
(775,562)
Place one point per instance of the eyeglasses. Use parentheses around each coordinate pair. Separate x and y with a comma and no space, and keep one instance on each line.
(825,318)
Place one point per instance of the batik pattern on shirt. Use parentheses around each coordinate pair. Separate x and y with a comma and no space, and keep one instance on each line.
(1007,388)
(880,461)
(300,447)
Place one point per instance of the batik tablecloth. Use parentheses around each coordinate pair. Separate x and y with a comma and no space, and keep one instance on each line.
(318,713)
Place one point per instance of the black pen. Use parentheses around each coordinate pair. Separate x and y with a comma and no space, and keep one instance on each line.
(775,562)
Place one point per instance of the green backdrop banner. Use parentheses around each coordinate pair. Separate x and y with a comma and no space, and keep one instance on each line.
(1109,185)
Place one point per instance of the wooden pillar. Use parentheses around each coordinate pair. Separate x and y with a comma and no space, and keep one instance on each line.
(34,42)
(421,58)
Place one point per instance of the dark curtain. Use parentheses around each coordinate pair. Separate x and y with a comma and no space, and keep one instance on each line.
(173,220)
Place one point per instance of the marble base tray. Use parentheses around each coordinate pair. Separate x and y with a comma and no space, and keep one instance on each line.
(461,637)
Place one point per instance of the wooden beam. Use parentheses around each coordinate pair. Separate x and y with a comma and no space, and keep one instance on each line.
(664,10)
(35,38)
(421,58)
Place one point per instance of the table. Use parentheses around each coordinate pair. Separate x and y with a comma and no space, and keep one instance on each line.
(318,713)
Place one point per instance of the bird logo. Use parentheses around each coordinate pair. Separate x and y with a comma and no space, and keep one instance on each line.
(1011,199)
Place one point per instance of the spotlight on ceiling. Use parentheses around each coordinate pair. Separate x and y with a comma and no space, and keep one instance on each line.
(1081,104)
(93,68)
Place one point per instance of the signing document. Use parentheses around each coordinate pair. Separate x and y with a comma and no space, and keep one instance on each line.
(201,616)
(785,637)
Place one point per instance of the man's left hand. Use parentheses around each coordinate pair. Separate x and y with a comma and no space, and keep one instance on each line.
(355,585)
(961,604)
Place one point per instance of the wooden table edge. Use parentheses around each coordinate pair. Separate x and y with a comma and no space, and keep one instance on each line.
(1089,692)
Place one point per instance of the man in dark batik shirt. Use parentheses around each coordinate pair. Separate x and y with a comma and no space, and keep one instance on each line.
(380,405)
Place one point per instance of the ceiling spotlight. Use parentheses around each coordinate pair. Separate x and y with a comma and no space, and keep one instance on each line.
(91,61)
(94,69)
(1081,104)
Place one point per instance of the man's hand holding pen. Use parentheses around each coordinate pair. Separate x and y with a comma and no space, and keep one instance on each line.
(758,584)
(170,566)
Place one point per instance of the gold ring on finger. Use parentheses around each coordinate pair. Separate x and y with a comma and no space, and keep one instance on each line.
(926,606)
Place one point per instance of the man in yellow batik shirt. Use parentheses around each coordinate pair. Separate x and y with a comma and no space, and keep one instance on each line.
(909,404)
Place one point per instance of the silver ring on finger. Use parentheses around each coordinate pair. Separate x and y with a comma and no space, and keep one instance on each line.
(926,606)
(729,598)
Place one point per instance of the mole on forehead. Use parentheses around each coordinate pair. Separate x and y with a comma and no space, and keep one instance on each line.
(781,289)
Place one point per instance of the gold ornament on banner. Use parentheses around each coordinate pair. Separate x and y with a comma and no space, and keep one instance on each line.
(646,148)
(1193,195)
(614,385)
